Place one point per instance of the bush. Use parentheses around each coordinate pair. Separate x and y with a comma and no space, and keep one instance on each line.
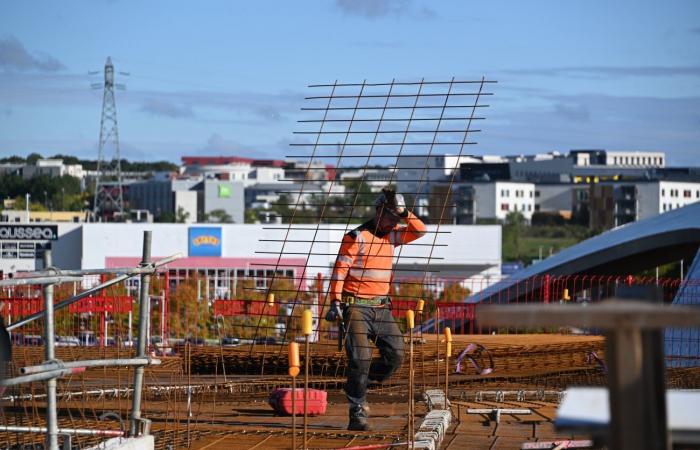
(547,218)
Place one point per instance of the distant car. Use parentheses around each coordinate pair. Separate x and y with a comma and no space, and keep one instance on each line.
(17,338)
(67,341)
(195,341)
(33,339)
(230,342)
(265,340)
(87,338)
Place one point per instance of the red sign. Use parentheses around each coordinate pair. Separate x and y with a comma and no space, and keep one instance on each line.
(118,304)
(399,307)
(229,308)
(20,307)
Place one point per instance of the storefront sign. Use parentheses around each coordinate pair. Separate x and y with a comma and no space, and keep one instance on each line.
(205,241)
(29,232)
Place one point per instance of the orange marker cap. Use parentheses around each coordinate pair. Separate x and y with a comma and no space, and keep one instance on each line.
(294,363)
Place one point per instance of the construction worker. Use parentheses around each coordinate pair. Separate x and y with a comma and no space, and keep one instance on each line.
(359,293)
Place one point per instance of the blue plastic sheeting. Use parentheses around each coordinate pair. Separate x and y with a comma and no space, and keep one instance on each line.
(682,345)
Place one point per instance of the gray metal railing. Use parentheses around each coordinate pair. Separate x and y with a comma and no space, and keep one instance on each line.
(52,369)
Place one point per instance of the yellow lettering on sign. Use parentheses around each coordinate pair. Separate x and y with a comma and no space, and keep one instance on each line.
(205,240)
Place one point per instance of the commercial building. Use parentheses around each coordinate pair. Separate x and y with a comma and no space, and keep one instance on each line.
(234,168)
(470,202)
(374,177)
(47,167)
(23,216)
(224,254)
(189,199)
(615,204)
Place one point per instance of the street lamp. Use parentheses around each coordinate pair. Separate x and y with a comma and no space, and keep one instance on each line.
(27,196)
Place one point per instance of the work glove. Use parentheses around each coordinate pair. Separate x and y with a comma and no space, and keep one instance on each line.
(334,313)
(392,201)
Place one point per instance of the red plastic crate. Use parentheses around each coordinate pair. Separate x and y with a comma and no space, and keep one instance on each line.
(281,401)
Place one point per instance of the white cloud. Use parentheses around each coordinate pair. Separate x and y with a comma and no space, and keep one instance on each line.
(14,56)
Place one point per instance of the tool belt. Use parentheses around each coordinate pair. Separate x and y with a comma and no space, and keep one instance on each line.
(374,302)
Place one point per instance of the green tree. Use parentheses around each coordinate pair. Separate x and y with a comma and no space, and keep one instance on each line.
(512,233)
(219,216)
(33,158)
(282,207)
(251,215)
(52,192)
(454,292)
(166,217)
(14,159)
(188,316)
(181,215)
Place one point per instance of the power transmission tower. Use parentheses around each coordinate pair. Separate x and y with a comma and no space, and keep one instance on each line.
(109,192)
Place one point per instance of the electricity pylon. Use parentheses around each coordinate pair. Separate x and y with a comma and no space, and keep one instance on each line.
(109,192)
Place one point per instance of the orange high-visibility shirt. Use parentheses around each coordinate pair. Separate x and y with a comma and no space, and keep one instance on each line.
(364,263)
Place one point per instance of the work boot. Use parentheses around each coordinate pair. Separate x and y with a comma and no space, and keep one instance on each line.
(358,418)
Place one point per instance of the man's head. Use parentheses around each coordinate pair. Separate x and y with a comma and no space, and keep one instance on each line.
(390,209)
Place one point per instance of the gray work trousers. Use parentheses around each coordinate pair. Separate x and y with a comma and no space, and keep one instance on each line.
(363,324)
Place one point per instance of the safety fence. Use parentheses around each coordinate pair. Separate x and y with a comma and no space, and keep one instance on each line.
(188,312)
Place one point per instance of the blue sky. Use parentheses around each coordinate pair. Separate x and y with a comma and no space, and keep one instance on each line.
(228,78)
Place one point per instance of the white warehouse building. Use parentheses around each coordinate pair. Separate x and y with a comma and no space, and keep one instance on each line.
(227,252)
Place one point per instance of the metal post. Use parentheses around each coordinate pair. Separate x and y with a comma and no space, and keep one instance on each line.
(306,390)
(411,405)
(67,442)
(144,307)
(437,346)
(162,320)
(294,413)
(49,339)
(448,353)
(682,274)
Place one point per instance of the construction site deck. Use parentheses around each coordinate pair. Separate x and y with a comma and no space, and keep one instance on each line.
(215,397)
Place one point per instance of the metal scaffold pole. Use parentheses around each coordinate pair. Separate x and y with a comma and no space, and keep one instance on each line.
(144,316)
(49,337)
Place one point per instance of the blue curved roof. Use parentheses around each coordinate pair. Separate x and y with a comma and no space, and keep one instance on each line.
(679,228)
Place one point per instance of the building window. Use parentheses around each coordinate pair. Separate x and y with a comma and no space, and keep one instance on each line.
(504,206)
(529,207)
(687,194)
(663,192)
